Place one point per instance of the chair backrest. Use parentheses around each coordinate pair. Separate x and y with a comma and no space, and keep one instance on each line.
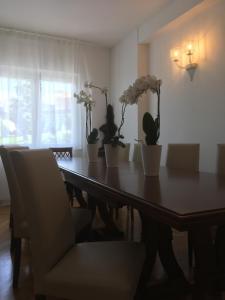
(62,152)
(137,153)
(48,212)
(17,203)
(183,156)
(124,152)
(221,159)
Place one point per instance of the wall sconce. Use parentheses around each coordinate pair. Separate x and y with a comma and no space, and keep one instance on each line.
(184,58)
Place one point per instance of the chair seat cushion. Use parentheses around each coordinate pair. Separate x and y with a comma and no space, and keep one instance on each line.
(82,217)
(98,270)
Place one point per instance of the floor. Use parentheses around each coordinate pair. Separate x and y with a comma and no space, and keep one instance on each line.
(25,292)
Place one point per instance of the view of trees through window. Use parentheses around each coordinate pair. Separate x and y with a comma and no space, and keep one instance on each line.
(35,111)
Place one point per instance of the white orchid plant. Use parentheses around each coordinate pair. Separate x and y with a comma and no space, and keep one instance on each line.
(86,99)
(103,90)
(133,94)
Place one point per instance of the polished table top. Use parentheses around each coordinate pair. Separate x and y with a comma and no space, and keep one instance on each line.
(180,198)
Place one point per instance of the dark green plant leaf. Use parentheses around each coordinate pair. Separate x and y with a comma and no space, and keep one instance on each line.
(151,129)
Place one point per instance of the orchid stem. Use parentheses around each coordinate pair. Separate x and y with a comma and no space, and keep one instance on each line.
(122,118)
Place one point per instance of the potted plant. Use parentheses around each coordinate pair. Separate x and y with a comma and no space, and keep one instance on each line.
(151,152)
(111,139)
(110,131)
(92,146)
(91,134)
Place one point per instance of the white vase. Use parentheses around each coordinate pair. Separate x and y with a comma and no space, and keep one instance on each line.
(151,155)
(92,152)
(111,155)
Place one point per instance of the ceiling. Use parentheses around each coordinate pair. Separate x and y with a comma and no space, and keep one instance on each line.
(103,22)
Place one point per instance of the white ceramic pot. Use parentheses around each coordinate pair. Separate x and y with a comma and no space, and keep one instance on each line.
(111,155)
(92,152)
(151,155)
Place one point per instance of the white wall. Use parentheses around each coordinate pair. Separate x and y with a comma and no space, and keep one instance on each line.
(126,58)
(193,111)
(96,66)
(123,71)
(173,10)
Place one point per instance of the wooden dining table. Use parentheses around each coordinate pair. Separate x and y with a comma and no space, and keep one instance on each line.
(184,200)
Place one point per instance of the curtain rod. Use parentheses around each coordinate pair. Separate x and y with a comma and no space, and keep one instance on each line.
(50,36)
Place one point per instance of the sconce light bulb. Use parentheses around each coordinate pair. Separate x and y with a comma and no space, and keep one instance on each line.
(175,55)
(189,48)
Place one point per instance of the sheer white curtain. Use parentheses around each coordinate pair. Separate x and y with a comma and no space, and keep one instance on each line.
(38,76)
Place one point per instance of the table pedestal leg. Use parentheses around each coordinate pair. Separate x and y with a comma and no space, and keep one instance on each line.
(92,205)
(220,254)
(150,238)
(206,273)
(158,239)
(110,227)
(80,198)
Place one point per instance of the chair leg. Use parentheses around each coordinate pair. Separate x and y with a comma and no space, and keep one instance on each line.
(190,250)
(16,261)
(40,297)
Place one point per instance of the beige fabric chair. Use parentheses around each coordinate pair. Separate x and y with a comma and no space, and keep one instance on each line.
(19,225)
(97,270)
(137,153)
(124,153)
(17,205)
(218,232)
(184,157)
(62,152)
(221,159)
(82,217)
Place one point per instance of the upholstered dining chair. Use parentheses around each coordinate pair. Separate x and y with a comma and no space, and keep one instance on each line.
(137,153)
(184,157)
(218,232)
(96,270)
(19,226)
(221,159)
(19,231)
(62,152)
(124,153)
(67,153)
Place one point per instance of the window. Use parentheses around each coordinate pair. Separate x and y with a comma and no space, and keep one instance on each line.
(36,108)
